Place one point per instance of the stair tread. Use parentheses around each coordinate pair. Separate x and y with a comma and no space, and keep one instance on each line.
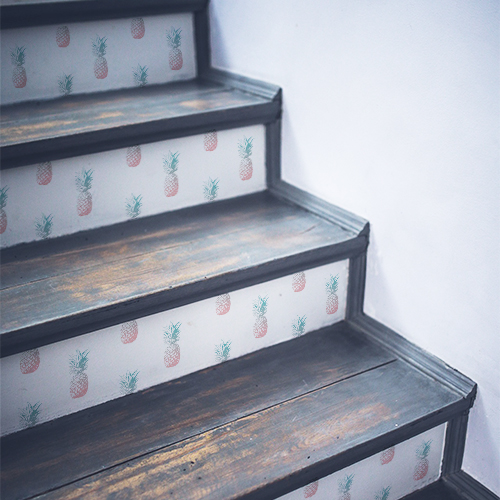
(327,395)
(134,268)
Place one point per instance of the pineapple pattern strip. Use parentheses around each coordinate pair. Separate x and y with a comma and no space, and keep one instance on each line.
(122,184)
(98,54)
(165,346)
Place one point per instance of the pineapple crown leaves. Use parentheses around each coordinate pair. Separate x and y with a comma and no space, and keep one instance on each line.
(383,494)
(43,226)
(99,46)
(18,56)
(171,333)
(79,362)
(174,38)
(346,483)
(128,382)
(222,350)
(332,285)
(3,197)
(141,75)
(260,306)
(245,147)
(424,449)
(299,326)
(133,206)
(65,84)
(84,180)
(29,415)
(171,162)
(211,188)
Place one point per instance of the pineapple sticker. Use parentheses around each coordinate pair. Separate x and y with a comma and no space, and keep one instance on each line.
(29,415)
(79,380)
(43,226)
(140,76)
(422,466)
(299,326)
(245,151)
(62,36)
(83,185)
(65,84)
(332,300)
(175,54)
(133,206)
(129,332)
(345,487)
(211,189)
(100,64)
(30,361)
(259,311)
(134,156)
(311,489)
(170,166)
(128,382)
(222,304)
(298,282)
(222,351)
(137,28)
(3,204)
(18,57)
(387,455)
(173,351)
(44,173)
(383,494)
(210,140)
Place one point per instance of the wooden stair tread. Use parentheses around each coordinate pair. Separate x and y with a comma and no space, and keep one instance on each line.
(330,396)
(79,283)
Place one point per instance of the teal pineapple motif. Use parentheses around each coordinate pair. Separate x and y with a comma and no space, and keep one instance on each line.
(43,226)
(259,311)
(211,189)
(30,414)
(245,151)
(332,300)
(422,466)
(299,326)
(175,55)
(171,336)
(133,206)
(170,166)
(65,84)
(383,494)
(345,487)
(141,76)
(222,351)
(128,382)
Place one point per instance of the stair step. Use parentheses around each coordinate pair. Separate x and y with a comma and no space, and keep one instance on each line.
(39,131)
(255,427)
(108,276)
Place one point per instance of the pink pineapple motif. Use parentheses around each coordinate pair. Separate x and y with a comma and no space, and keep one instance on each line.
(222,304)
(137,28)
(175,54)
(311,489)
(422,466)
(3,204)
(134,156)
(44,173)
(129,332)
(62,36)
(259,311)
(79,380)
(210,140)
(30,361)
(18,58)
(173,351)
(387,455)
(83,185)
(332,300)
(345,487)
(298,282)
(245,151)
(100,64)
(170,166)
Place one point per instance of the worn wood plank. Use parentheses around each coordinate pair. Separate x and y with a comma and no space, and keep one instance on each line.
(198,251)
(435,491)
(271,452)
(75,446)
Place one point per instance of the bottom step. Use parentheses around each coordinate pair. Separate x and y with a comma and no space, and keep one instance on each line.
(259,426)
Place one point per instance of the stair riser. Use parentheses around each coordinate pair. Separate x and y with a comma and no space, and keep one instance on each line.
(398,468)
(57,50)
(118,176)
(141,347)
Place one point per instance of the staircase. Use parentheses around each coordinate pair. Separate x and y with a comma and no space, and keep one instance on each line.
(177,320)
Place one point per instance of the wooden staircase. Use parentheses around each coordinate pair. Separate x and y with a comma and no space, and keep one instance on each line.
(303,394)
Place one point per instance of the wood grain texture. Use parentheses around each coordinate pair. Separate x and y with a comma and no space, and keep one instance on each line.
(435,491)
(274,451)
(72,447)
(77,285)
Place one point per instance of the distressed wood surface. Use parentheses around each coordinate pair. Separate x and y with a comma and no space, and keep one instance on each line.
(74,284)
(72,447)
(435,491)
(268,453)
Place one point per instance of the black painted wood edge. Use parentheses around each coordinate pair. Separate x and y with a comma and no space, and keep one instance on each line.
(468,487)
(417,357)
(356,286)
(38,14)
(322,208)
(273,152)
(202,39)
(454,447)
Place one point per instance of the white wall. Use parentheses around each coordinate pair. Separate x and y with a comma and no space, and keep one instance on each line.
(392,111)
